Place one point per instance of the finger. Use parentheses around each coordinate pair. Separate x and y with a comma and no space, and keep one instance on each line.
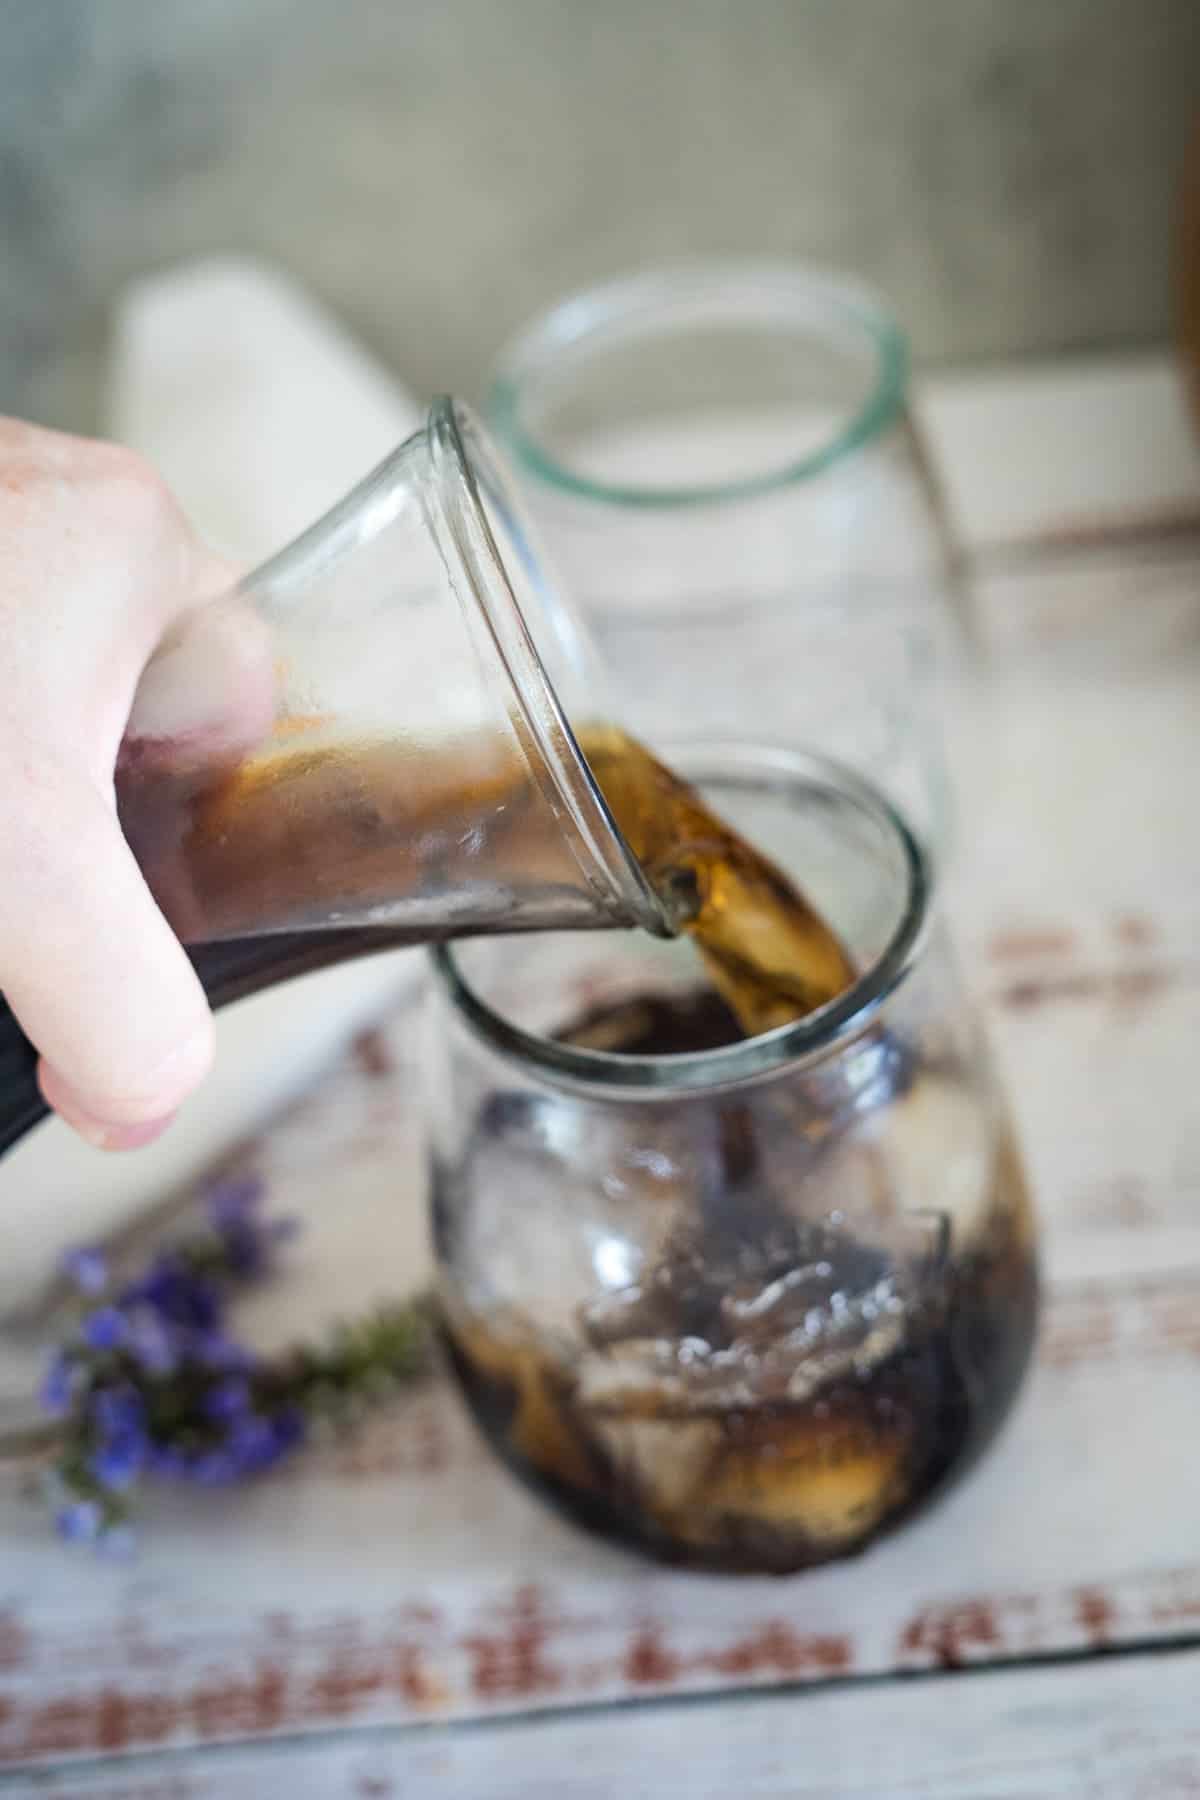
(91,968)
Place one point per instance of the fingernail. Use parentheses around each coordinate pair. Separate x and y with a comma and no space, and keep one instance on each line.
(102,1134)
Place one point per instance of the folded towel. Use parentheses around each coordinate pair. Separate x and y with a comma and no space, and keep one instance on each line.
(260,412)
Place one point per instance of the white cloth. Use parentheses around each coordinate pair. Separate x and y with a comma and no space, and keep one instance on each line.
(260,412)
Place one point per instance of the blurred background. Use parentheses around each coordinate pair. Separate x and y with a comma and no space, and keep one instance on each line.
(436,170)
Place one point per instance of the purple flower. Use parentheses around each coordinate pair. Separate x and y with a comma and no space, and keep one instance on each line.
(167,1460)
(250,1248)
(58,1385)
(150,1341)
(87,1270)
(117,1463)
(253,1444)
(246,1248)
(104,1329)
(155,1384)
(230,1202)
(214,1468)
(228,1400)
(118,1411)
(289,1427)
(247,1240)
(257,1441)
(174,1291)
(80,1522)
(213,1350)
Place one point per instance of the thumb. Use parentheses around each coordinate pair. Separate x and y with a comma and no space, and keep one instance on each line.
(123,1025)
(209,690)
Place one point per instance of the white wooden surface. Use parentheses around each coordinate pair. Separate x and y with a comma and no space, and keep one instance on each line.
(1115,1730)
(405,1580)
(1053,453)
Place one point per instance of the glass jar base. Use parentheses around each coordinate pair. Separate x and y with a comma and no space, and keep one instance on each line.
(774,1486)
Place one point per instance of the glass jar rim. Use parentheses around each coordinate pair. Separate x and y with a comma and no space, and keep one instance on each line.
(827,1030)
(630,302)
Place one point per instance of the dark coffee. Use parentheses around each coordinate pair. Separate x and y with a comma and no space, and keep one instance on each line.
(769,954)
(258,862)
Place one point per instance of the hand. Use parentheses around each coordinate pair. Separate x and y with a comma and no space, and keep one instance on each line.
(98,572)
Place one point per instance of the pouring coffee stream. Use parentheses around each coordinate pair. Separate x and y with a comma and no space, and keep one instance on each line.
(418,777)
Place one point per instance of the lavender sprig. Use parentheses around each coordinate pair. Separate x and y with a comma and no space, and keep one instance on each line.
(153,1383)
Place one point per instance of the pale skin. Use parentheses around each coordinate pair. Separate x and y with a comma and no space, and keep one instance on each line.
(102,577)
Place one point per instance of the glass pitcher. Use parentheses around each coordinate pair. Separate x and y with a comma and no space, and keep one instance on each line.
(739,1304)
(369,742)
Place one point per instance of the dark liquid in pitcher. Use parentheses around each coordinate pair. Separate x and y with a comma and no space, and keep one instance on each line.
(292,838)
(765,1457)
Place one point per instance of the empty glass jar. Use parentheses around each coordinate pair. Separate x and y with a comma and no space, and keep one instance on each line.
(722,463)
(741,1304)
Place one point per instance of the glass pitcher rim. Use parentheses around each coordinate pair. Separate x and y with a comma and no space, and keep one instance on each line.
(463,531)
(621,302)
(826,1031)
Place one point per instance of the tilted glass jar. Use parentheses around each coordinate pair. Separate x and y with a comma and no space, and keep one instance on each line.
(368,742)
(742,1304)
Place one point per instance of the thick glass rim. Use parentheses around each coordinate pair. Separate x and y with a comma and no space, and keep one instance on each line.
(625,307)
(827,1030)
(460,524)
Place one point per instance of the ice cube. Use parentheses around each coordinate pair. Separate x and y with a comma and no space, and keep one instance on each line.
(661,1463)
(655,1378)
(937,1145)
(811,1305)
(557,1204)
(824,1480)
(923,1144)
